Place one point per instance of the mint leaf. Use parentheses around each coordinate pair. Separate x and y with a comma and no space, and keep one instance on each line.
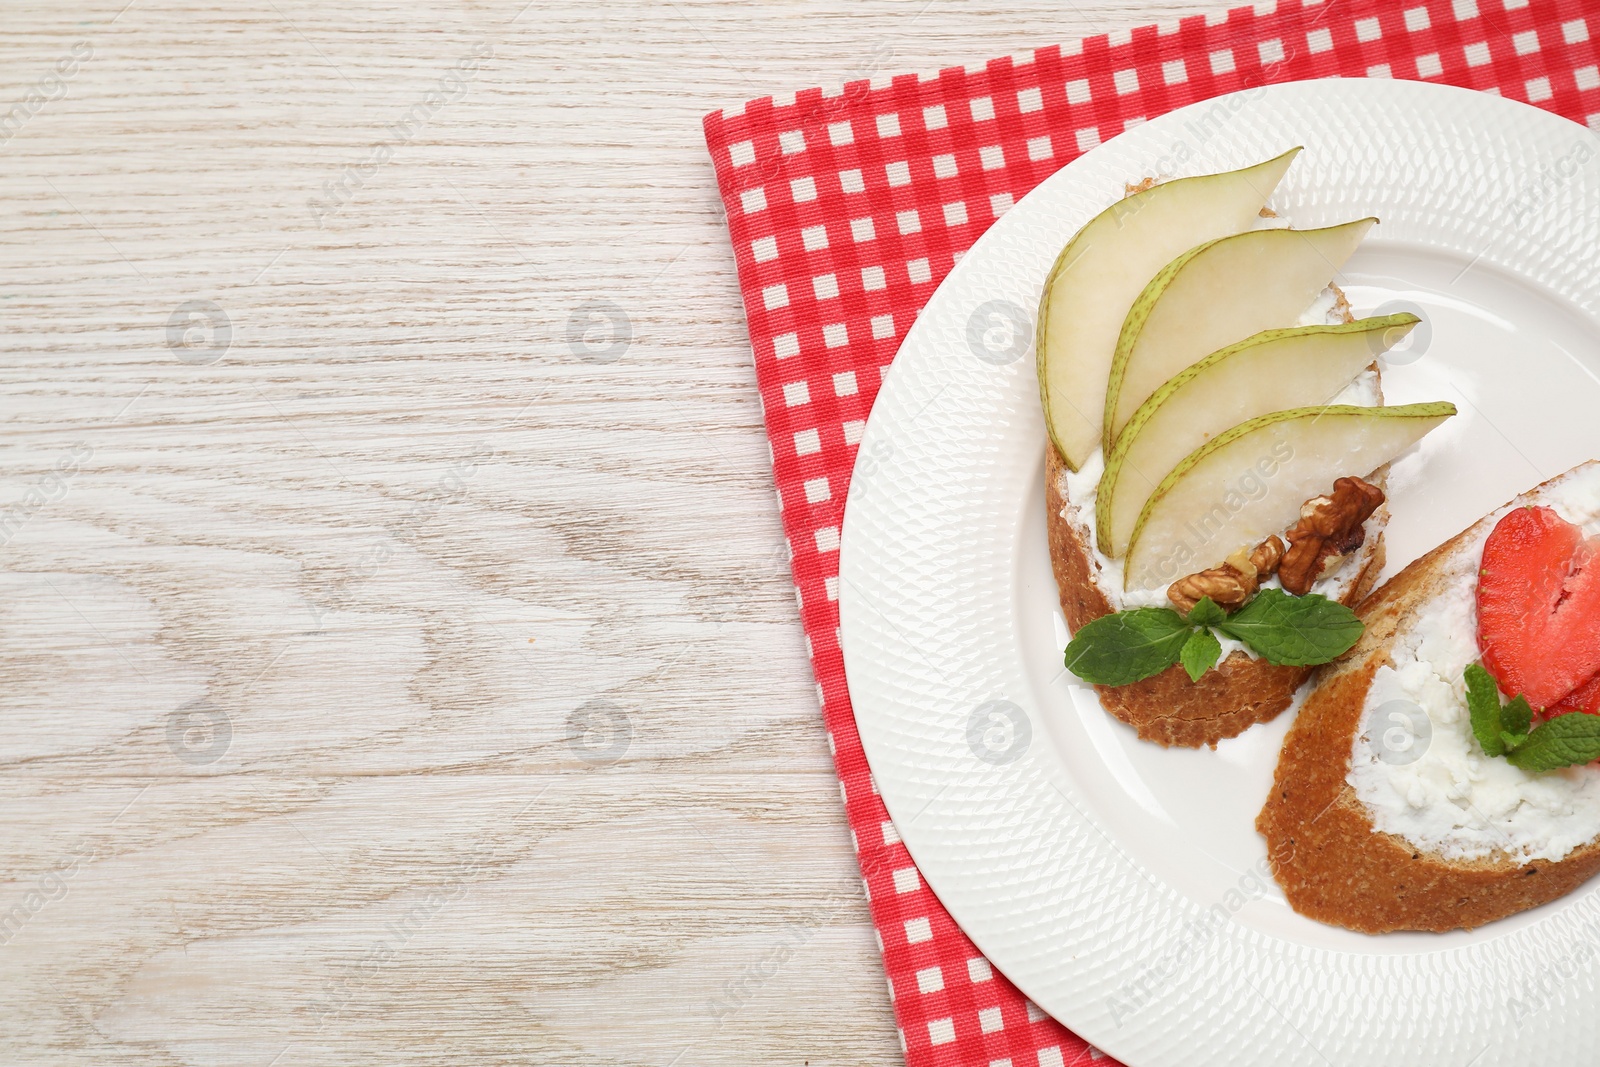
(1201,651)
(1206,613)
(1509,741)
(1564,741)
(1483,698)
(1504,731)
(1127,647)
(1297,631)
(1516,717)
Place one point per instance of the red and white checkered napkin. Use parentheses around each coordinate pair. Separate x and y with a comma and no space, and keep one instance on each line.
(846,209)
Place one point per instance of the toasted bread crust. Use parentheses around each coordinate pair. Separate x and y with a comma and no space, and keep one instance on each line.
(1333,865)
(1168,708)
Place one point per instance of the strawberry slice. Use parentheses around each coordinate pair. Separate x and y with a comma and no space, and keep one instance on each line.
(1585,698)
(1539,606)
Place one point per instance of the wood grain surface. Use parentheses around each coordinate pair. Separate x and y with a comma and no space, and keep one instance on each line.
(398,659)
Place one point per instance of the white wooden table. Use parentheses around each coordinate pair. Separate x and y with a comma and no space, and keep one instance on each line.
(382,682)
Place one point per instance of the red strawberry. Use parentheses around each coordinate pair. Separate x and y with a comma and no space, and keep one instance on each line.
(1585,698)
(1539,606)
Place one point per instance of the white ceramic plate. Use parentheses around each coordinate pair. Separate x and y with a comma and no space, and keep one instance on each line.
(1118,883)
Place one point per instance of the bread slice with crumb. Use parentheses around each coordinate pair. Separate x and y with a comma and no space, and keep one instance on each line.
(1326,852)
(1168,708)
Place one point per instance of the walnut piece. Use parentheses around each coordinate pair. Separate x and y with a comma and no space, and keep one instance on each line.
(1231,584)
(1330,528)
(1228,587)
(1267,556)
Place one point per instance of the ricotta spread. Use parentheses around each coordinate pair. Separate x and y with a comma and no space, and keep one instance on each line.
(1416,765)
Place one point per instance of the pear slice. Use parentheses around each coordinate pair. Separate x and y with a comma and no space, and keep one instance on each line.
(1105,267)
(1213,295)
(1248,483)
(1273,371)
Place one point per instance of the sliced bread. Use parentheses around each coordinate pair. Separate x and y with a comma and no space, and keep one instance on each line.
(1447,868)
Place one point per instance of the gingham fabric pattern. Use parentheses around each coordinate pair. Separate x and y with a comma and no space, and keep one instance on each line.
(847,208)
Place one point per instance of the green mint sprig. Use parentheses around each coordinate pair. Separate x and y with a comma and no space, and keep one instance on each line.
(1504,730)
(1130,646)
(1127,646)
(1200,653)
(1295,631)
